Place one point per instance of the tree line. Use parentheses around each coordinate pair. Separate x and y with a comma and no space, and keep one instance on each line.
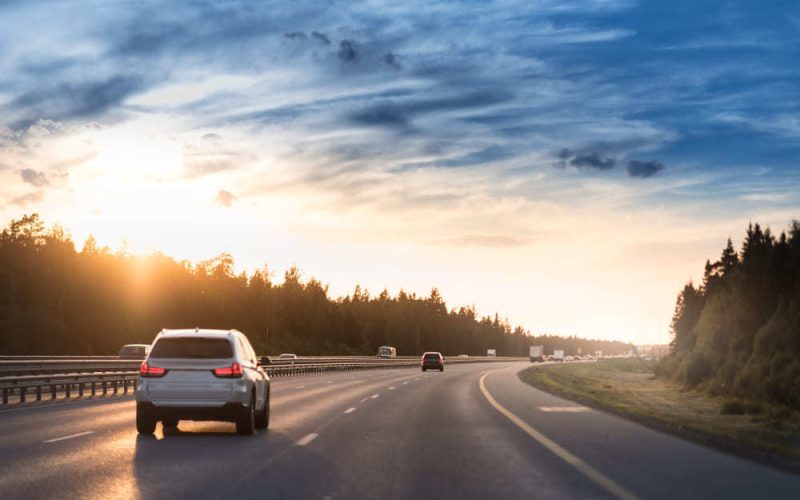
(55,299)
(738,333)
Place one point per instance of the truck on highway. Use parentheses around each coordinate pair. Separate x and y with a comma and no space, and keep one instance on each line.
(491,352)
(386,351)
(537,353)
(558,355)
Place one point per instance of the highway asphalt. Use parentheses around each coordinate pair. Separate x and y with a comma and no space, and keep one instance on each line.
(474,431)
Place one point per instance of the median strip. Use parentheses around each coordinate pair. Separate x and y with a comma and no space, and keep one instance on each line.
(71,436)
(587,470)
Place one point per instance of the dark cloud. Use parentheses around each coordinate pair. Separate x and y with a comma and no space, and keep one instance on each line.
(391,60)
(321,37)
(347,51)
(644,169)
(76,100)
(585,160)
(225,198)
(398,115)
(34,178)
(295,35)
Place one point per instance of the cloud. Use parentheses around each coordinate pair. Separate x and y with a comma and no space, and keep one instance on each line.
(34,178)
(484,240)
(399,114)
(586,161)
(74,100)
(347,51)
(391,60)
(644,169)
(28,199)
(225,198)
(321,37)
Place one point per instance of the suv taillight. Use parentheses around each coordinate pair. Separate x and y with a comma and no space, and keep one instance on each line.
(233,371)
(145,370)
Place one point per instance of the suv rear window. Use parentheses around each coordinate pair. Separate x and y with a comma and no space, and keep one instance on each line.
(192,348)
(432,356)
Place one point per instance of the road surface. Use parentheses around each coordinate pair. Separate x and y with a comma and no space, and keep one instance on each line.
(474,431)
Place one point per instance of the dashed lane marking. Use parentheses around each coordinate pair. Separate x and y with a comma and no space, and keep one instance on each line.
(300,387)
(350,410)
(307,439)
(595,475)
(404,383)
(375,396)
(391,388)
(71,436)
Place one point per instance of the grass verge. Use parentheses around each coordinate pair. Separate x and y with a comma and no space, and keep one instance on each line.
(629,388)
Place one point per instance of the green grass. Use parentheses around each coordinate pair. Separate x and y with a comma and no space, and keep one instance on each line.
(628,387)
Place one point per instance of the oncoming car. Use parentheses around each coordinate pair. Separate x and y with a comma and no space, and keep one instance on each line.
(432,361)
(202,375)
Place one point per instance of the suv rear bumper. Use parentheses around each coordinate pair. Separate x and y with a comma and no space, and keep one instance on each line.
(230,412)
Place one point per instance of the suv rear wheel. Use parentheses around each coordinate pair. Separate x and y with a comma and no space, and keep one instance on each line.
(246,424)
(262,417)
(145,423)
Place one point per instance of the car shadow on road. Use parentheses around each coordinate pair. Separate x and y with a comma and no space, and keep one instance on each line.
(190,462)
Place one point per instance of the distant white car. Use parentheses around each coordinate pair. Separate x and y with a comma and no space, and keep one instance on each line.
(202,375)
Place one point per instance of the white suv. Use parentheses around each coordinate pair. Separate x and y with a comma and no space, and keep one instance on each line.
(202,375)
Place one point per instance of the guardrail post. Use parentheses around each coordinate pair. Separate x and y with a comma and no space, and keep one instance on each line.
(93,388)
(105,387)
(5,395)
(115,387)
(80,389)
(22,394)
(68,390)
(38,393)
(53,392)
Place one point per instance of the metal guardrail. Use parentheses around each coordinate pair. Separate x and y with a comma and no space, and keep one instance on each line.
(38,378)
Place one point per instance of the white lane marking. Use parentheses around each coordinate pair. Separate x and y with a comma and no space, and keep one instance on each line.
(330,381)
(595,475)
(350,410)
(300,387)
(374,396)
(391,388)
(363,400)
(307,439)
(63,438)
(564,409)
(404,383)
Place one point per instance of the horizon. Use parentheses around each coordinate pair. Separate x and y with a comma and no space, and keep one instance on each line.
(568,165)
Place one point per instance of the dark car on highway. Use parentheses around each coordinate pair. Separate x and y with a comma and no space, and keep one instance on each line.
(433,361)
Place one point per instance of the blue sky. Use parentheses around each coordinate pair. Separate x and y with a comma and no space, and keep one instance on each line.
(603,149)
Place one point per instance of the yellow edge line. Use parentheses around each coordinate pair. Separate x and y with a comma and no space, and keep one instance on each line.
(587,470)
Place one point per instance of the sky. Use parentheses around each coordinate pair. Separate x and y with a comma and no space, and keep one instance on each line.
(569,164)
